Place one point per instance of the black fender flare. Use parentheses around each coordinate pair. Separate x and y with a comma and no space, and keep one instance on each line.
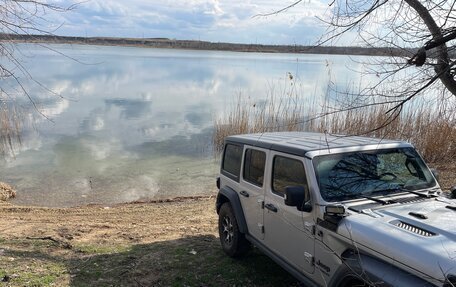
(227,194)
(373,271)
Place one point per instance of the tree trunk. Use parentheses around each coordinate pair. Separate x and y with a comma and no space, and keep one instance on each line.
(443,60)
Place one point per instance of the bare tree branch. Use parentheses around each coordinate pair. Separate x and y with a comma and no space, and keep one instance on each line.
(278,11)
(19,17)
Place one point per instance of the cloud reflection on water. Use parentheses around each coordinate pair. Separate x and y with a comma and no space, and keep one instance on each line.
(139,122)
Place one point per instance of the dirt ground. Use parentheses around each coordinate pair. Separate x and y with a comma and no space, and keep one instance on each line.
(139,223)
(171,243)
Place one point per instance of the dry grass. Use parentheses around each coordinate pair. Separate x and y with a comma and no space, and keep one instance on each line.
(282,111)
(6,192)
(247,117)
(431,130)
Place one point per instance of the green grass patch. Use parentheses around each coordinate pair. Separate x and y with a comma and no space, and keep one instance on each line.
(211,267)
(191,261)
(23,272)
(94,249)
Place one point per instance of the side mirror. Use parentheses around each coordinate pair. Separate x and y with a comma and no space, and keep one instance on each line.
(298,196)
(435,172)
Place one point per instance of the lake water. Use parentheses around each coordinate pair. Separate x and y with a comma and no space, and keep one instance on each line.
(136,124)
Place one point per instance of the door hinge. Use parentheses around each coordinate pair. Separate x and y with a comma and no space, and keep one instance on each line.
(261,227)
(261,203)
(309,258)
(310,227)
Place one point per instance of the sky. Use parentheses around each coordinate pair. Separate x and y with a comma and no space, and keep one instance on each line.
(235,21)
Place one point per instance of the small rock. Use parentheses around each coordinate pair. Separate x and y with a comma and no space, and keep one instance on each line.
(6,278)
(193,252)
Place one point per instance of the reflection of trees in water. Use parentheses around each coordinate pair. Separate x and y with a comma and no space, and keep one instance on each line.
(11,121)
(19,17)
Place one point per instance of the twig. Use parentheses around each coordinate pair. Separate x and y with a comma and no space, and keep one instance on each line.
(63,244)
(278,11)
(139,284)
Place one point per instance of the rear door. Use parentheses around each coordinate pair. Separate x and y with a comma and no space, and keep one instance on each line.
(288,231)
(252,189)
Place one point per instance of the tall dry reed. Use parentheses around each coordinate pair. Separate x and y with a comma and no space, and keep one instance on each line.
(431,128)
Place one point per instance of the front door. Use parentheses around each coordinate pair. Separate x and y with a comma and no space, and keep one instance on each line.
(288,231)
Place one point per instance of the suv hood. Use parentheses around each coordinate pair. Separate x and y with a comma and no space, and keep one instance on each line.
(420,235)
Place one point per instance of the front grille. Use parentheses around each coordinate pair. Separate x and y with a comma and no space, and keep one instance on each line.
(414,229)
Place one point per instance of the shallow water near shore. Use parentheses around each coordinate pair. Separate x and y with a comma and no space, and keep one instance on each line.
(126,124)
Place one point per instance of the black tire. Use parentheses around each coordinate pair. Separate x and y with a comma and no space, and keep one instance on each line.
(233,241)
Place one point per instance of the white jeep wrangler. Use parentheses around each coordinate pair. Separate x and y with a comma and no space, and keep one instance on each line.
(337,211)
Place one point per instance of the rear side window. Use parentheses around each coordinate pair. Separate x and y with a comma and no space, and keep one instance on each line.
(254,163)
(287,172)
(232,161)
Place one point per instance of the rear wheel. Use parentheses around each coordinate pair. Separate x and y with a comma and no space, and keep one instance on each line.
(233,241)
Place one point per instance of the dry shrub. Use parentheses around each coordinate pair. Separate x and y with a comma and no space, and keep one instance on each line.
(431,128)
(6,192)
(282,114)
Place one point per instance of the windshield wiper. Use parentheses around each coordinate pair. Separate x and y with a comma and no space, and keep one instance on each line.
(354,196)
(384,202)
(418,193)
(402,189)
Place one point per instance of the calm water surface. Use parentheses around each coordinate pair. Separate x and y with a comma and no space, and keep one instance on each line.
(136,124)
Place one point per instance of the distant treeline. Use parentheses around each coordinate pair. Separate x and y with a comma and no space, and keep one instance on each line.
(204,45)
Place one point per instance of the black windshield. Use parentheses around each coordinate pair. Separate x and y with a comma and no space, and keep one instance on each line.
(354,175)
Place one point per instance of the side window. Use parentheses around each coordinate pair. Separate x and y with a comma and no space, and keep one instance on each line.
(254,163)
(232,160)
(287,172)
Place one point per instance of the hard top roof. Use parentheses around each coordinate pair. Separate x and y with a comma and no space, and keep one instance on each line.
(300,143)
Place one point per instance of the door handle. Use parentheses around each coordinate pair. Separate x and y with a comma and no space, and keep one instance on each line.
(271,207)
(244,193)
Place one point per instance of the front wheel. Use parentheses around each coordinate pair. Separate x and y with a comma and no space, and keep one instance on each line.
(233,241)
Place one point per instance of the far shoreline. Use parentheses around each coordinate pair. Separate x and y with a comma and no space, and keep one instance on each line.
(166,43)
